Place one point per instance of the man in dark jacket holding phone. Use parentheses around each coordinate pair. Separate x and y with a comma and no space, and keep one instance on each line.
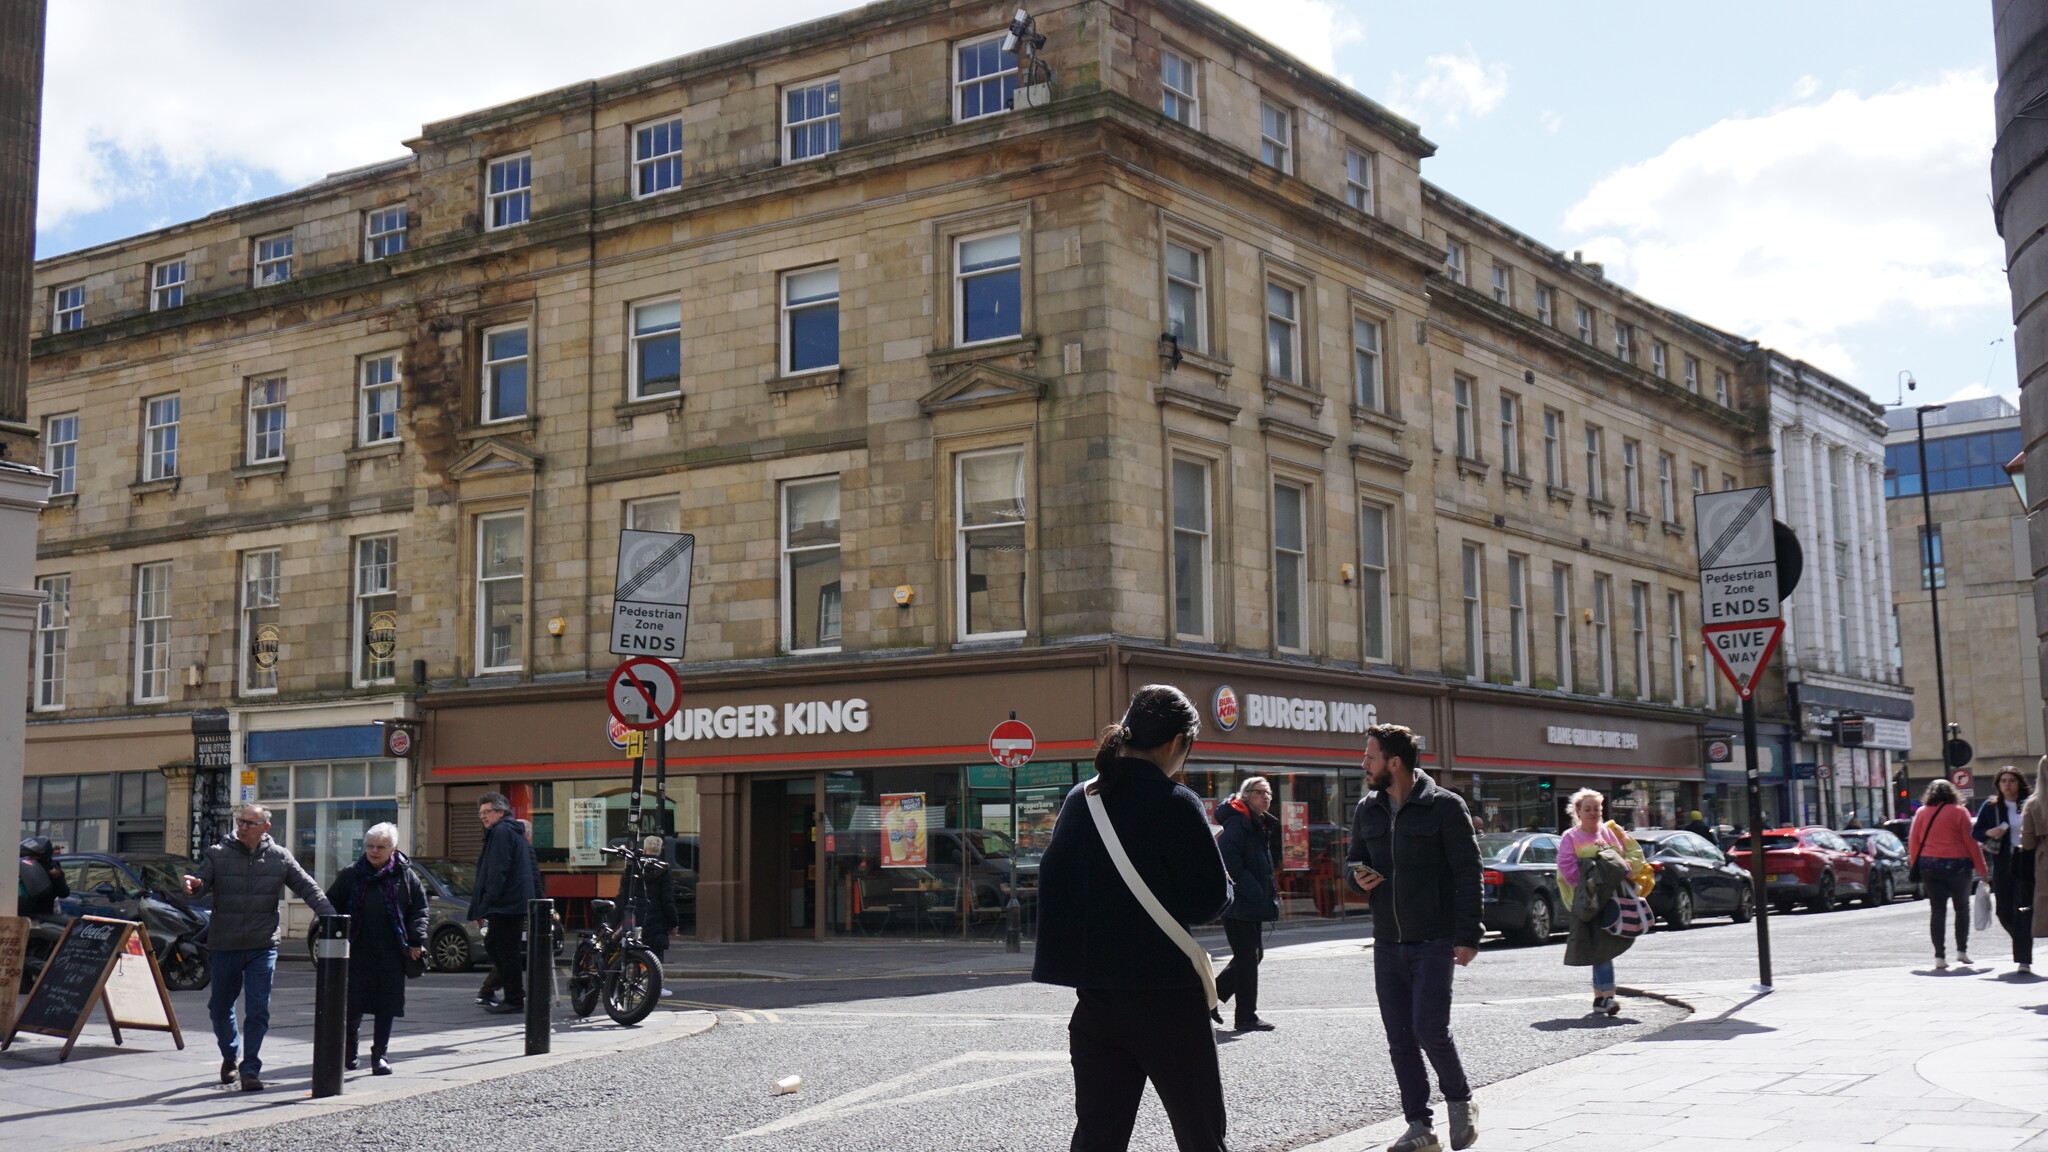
(504,883)
(1413,850)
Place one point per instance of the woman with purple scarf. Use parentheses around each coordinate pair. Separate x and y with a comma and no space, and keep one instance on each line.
(387,910)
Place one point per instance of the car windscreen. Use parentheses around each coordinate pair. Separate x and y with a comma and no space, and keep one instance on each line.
(1771,843)
(997,848)
(161,875)
(1496,848)
(457,877)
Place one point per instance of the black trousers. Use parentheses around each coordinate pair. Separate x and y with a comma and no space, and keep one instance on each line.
(508,954)
(1241,979)
(2018,922)
(1944,889)
(1117,1040)
(1413,981)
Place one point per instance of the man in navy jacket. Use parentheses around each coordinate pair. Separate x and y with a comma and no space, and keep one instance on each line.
(504,883)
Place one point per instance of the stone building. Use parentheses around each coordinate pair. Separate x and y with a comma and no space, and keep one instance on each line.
(981,392)
(1829,476)
(1983,576)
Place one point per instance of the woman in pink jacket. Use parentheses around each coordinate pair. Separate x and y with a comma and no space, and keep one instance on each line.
(1946,856)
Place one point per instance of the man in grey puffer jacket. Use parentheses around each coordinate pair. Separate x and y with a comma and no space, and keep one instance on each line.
(246,872)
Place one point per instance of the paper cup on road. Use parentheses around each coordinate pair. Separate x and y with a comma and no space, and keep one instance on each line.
(788,1084)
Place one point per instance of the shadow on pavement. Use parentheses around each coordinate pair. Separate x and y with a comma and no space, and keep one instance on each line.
(1585,1023)
(1716,1028)
(802,991)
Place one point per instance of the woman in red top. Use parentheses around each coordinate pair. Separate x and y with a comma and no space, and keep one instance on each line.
(1946,856)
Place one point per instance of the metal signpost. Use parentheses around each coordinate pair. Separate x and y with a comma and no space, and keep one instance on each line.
(1740,598)
(651,617)
(643,693)
(1011,745)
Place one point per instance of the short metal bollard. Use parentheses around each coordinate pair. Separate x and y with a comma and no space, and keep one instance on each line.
(330,1002)
(1013,925)
(540,975)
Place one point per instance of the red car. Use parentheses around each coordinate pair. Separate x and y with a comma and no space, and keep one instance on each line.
(1812,866)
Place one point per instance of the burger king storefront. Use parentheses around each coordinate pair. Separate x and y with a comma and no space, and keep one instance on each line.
(860,800)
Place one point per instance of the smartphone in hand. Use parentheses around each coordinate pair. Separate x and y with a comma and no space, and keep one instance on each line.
(1364,875)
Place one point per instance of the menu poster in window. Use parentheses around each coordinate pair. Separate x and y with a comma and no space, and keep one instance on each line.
(904,844)
(1294,835)
(586,830)
(1035,820)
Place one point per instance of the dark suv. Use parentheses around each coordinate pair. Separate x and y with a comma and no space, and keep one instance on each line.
(1694,878)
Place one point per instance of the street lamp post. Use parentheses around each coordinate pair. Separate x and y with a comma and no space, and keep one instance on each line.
(1933,584)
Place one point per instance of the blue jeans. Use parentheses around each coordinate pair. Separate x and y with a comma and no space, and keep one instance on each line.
(236,972)
(1414,986)
(1603,976)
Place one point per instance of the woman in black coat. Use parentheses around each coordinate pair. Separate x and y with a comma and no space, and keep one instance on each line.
(387,910)
(2012,868)
(1142,1008)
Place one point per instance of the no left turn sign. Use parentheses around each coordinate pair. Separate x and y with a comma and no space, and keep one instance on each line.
(643,693)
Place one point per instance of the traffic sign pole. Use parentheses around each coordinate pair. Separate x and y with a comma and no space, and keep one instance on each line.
(1011,745)
(1759,881)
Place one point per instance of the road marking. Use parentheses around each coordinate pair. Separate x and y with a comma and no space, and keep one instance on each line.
(876,1095)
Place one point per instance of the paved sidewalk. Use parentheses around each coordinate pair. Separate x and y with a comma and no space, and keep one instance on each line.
(1891,1059)
(147,1092)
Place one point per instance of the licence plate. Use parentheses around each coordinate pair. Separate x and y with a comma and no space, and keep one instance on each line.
(1784,878)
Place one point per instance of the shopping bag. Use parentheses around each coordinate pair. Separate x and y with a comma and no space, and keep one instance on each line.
(1980,907)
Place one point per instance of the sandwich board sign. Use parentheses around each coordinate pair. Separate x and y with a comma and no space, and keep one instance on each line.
(97,962)
(1739,608)
(651,600)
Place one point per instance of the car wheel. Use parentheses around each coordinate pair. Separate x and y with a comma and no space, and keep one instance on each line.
(1824,896)
(1745,907)
(1880,893)
(1536,926)
(1681,910)
(449,951)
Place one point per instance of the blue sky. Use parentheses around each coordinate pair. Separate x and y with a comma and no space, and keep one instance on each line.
(1813,174)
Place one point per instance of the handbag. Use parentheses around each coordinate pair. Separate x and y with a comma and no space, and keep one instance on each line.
(415,966)
(1204,967)
(1627,916)
(1980,907)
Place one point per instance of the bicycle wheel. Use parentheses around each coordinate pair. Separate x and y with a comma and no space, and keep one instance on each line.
(632,986)
(586,979)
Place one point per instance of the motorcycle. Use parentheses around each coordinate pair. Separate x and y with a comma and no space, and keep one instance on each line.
(176,930)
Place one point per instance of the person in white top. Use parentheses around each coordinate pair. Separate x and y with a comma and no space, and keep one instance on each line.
(2012,868)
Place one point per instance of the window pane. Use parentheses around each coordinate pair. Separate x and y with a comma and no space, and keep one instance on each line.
(1287,517)
(813,516)
(814,599)
(817,284)
(310,782)
(504,550)
(991,488)
(991,306)
(989,252)
(348,779)
(273,783)
(1375,532)
(658,364)
(1190,584)
(508,390)
(995,580)
(814,337)
(1287,600)
(1190,496)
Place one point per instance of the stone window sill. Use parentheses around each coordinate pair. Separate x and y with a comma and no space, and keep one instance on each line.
(625,411)
(67,500)
(830,379)
(1517,480)
(1639,519)
(1025,347)
(1560,493)
(373,451)
(142,488)
(1673,528)
(252,471)
(523,426)
(1362,415)
(1295,392)
(1468,466)
(1189,358)
(1600,507)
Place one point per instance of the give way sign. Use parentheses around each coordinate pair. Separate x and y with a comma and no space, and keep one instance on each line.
(1743,649)
(643,693)
(1012,744)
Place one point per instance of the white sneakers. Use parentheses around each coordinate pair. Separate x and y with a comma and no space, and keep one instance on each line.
(1940,962)
(2026,969)
(1962,957)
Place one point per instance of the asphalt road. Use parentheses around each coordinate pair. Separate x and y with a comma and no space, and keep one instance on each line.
(965,1063)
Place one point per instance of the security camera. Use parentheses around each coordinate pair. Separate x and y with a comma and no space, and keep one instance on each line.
(1023,31)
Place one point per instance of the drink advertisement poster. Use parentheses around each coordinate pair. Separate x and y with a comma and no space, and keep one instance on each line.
(586,830)
(903,830)
(1294,835)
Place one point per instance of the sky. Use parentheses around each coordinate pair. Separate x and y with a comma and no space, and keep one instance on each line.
(1809,173)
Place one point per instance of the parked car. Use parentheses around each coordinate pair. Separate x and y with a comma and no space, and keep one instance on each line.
(1519,897)
(454,944)
(1888,853)
(1694,878)
(1812,865)
(145,887)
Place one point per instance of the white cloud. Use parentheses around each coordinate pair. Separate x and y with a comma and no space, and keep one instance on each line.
(1805,87)
(1450,89)
(138,95)
(1797,226)
(1551,121)
(1312,30)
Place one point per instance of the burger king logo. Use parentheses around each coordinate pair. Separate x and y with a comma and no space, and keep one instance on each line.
(1224,707)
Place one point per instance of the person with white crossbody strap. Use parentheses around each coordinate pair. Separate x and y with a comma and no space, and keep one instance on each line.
(1130,866)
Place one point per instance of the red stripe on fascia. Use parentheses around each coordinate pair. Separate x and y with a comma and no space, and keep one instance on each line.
(1351,754)
(1580,766)
(956,750)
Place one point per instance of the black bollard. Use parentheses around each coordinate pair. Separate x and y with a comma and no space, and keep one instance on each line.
(540,974)
(330,1003)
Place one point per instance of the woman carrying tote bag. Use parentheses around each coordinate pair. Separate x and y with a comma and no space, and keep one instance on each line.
(1113,912)
(2012,867)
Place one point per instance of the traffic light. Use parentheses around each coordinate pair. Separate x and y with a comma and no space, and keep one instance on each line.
(1546,784)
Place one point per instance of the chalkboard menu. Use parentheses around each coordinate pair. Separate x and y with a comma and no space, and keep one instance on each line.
(93,951)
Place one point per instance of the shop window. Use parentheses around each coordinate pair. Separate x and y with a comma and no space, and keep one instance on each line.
(261,582)
(501,592)
(1191,555)
(1290,566)
(321,810)
(376,609)
(991,522)
(810,566)
(101,812)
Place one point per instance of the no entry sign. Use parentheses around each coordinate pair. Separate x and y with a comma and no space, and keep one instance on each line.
(1012,744)
(643,693)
